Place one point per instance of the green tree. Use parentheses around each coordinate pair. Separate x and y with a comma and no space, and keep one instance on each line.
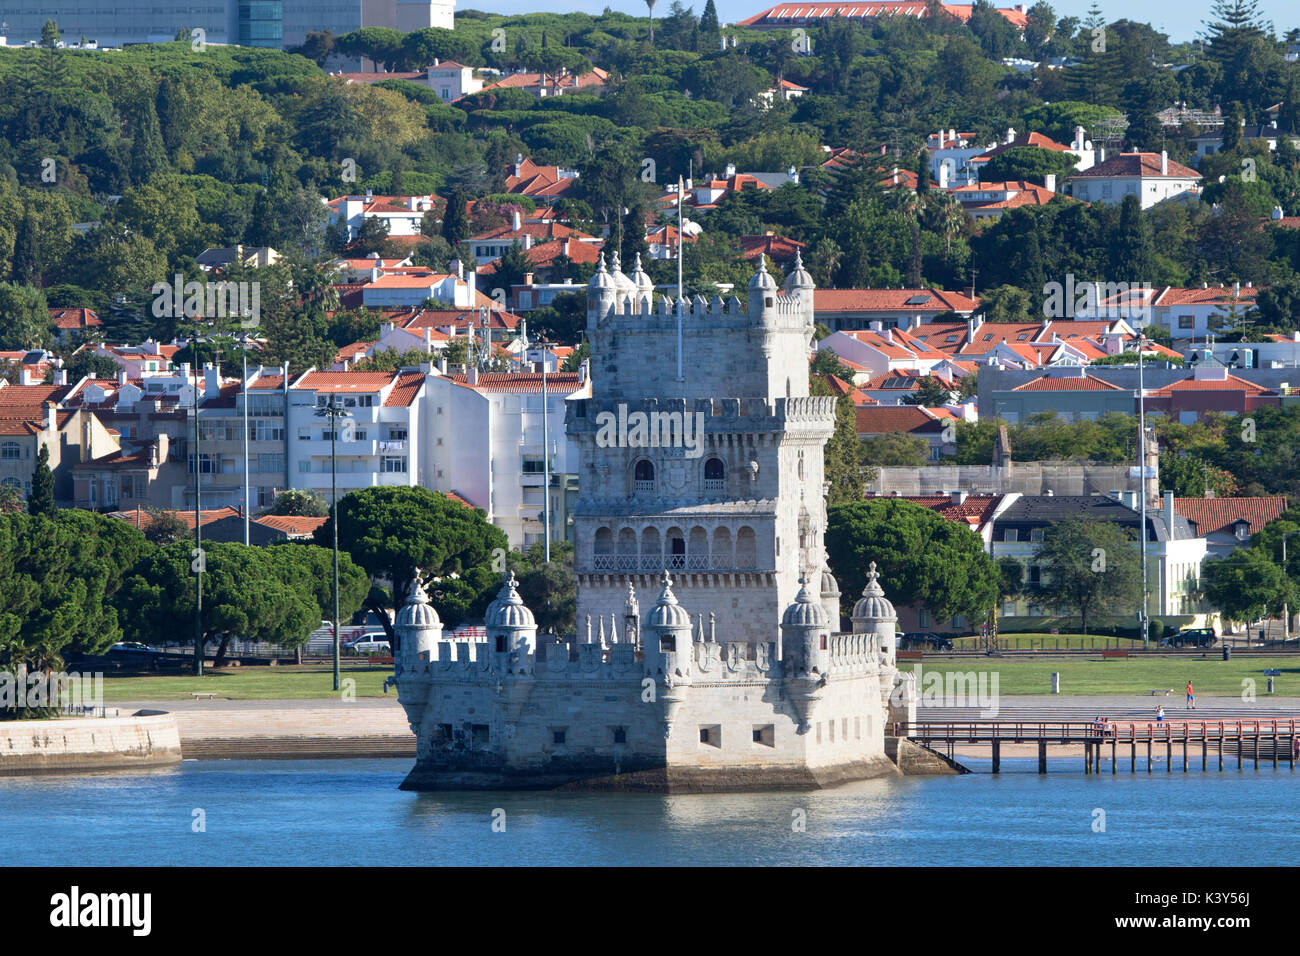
(549,588)
(246,594)
(167,527)
(827,362)
(1246,585)
(1029,163)
(41,500)
(299,503)
(710,31)
(896,448)
(392,532)
(923,559)
(24,317)
(455,221)
(1089,565)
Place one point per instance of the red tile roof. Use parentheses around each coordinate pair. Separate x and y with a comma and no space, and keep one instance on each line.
(1219,514)
(1146,165)
(1230,383)
(879,420)
(520,381)
(975,510)
(1067,383)
(293,525)
(892,300)
(405,389)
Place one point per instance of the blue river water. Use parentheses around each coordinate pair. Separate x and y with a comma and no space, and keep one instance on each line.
(350,812)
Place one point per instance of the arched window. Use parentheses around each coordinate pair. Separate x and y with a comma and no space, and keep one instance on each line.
(697,549)
(652,552)
(722,556)
(603,557)
(12,482)
(714,473)
(10,451)
(746,548)
(644,475)
(627,559)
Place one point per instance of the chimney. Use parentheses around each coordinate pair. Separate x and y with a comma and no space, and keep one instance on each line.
(1049,182)
(519,164)
(528,278)
(1011,134)
(61,377)
(51,423)
(442,365)
(471,375)
(457,267)
(1277,212)
(564,248)
(943,175)
(211,381)
(940,146)
(1169,514)
(1164,162)
(121,375)
(959,497)
(1079,138)
(428,340)
(515,221)
(731,171)
(25,377)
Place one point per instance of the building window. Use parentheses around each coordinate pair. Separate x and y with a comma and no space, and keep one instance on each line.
(479,735)
(10,451)
(715,472)
(1186,322)
(711,734)
(557,737)
(620,735)
(1036,534)
(394,464)
(270,464)
(1010,534)
(764,734)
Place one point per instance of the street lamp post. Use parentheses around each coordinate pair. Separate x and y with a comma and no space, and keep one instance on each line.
(243,341)
(197,563)
(334,411)
(1286,607)
(1142,487)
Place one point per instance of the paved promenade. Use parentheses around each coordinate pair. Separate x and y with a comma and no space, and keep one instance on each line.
(284,729)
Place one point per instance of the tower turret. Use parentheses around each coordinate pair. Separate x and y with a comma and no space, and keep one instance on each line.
(645,287)
(511,628)
(669,650)
(799,279)
(805,651)
(762,293)
(601,294)
(874,614)
(418,628)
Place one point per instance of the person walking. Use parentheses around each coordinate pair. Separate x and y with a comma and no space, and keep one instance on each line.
(1191,698)
(1160,714)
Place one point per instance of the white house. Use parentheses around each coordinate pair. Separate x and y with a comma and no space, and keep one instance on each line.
(403,214)
(452,80)
(1152,177)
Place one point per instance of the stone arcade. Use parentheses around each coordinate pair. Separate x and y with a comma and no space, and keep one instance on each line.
(737,676)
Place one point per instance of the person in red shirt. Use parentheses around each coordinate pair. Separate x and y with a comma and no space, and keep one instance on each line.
(1191,699)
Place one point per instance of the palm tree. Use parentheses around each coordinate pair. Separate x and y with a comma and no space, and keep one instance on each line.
(651,5)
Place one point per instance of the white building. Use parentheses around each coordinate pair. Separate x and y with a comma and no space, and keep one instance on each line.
(378,444)
(452,80)
(484,442)
(403,214)
(1152,177)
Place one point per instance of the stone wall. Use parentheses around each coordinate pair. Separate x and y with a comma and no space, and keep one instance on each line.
(146,739)
(1026,477)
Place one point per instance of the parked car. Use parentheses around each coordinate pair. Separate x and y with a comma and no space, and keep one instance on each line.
(1192,637)
(920,640)
(369,644)
(124,655)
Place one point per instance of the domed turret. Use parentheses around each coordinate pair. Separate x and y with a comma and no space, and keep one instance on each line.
(875,614)
(805,612)
(621,282)
(601,279)
(601,293)
(762,280)
(417,625)
(510,626)
(799,279)
(667,614)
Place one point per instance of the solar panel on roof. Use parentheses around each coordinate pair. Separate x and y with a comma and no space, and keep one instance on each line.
(918,300)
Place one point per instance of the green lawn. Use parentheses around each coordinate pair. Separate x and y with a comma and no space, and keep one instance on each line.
(1211,676)
(251,683)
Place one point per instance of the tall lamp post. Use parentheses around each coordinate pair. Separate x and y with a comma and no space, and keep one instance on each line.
(197,563)
(334,411)
(243,342)
(1142,486)
(1286,607)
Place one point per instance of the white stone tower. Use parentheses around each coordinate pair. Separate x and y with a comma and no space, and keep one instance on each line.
(715,475)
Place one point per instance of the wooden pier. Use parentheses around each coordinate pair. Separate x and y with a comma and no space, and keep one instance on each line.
(1273,741)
